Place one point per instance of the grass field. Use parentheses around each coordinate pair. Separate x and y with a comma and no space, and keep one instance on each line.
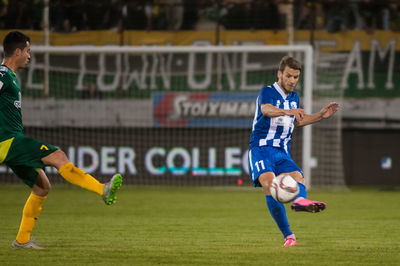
(201,226)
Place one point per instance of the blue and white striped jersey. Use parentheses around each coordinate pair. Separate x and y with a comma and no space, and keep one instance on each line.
(274,131)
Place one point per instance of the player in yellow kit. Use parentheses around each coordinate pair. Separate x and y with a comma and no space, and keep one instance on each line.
(27,157)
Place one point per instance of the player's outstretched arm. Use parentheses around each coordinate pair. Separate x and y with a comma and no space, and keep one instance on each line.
(329,110)
(326,112)
(272,111)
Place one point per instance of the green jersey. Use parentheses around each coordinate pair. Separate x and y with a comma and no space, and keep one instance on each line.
(10,104)
(22,154)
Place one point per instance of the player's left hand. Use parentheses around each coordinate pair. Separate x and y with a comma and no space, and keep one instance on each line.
(329,110)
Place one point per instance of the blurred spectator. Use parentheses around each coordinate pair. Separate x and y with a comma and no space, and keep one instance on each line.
(319,15)
(21,13)
(210,13)
(190,15)
(238,15)
(91,92)
(264,15)
(385,17)
(148,12)
(369,13)
(67,16)
(144,15)
(376,15)
(112,15)
(383,9)
(305,16)
(341,15)
(99,14)
(334,15)
(37,14)
(136,18)
(3,13)
(283,10)
(56,15)
(395,16)
(72,16)
(173,14)
(358,25)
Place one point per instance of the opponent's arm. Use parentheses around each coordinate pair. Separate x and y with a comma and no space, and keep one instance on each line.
(325,112)
(272,111)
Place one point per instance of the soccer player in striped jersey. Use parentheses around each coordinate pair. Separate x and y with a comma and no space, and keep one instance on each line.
(27,157)
(278,113)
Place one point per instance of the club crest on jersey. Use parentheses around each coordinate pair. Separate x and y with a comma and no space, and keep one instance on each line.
(3,68)
(293,105)
(17,103)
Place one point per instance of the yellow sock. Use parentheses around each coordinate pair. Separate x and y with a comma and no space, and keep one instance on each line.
(78,177)
(31,212)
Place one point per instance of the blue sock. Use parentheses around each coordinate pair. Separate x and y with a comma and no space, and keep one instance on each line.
(302,192)
(278,212)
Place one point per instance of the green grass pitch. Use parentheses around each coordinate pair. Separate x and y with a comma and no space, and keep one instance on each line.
(201,226)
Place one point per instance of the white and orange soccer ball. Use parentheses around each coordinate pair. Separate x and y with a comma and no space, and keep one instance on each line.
(284,188)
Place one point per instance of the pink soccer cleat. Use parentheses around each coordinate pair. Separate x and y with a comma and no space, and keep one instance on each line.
(307,205)
(290,241)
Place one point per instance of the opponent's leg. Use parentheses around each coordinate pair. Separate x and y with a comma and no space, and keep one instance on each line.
(277,210)
(301,203)
(71,173)
(78,177)
(31,212)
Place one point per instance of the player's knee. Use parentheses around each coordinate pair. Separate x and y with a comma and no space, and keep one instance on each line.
(46,190)
(265,180)
(298,176)
(42,190)
(60,155)
(56,159)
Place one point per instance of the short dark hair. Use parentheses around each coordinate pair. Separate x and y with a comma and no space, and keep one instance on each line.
(14,40)
(288,61)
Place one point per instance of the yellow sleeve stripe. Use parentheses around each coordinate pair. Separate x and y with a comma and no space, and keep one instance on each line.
(4,147)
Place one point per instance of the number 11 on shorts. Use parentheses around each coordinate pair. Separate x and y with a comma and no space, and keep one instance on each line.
(258,164)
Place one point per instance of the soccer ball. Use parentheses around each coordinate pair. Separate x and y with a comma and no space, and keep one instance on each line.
(284,188)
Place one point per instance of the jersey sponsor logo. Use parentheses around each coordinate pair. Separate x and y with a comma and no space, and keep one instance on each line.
(284,121)
(44,147)
(1,84)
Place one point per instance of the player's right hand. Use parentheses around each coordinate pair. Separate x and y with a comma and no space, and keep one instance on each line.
(298,113)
